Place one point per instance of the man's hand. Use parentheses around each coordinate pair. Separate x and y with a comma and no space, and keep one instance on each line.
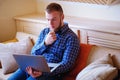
(50,38)
(33,73)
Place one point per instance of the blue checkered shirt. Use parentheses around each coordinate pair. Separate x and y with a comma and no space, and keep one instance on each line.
(64,50)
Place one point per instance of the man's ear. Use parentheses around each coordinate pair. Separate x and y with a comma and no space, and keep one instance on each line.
(62,16)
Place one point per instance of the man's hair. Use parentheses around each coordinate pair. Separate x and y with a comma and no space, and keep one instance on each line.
(54,7)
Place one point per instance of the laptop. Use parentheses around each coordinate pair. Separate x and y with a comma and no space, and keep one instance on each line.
(37,62)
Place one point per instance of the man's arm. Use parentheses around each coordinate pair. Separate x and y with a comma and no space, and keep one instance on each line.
(45,39)
(39,46)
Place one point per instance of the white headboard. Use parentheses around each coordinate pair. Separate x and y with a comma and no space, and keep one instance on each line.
(105,39)
(95,32)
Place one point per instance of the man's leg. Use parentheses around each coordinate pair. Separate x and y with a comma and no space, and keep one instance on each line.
(38,78)
(57,77)
(18,75)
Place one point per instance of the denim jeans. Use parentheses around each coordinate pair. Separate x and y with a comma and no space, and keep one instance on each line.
(22,75)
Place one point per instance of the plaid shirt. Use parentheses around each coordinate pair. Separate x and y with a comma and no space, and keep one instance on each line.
(64,50)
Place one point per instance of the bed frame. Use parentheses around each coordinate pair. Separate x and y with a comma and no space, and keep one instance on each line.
(90,31)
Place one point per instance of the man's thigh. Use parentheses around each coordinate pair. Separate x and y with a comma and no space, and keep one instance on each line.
(18,75)
(49,78)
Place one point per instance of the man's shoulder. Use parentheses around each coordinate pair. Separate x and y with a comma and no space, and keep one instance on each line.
(71,33)
(45,30)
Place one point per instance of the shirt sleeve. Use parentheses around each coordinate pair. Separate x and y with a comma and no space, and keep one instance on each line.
(69,57)
(39,46)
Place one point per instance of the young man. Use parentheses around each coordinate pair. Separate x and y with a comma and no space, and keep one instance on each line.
(57,43)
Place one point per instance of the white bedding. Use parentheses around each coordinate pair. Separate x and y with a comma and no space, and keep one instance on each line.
(95,52)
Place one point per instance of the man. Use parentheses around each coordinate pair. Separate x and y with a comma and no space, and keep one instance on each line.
(57,43)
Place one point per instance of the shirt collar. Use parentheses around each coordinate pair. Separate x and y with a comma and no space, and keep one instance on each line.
(63,29)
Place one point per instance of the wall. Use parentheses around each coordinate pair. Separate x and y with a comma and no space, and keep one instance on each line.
(93,11)
(9,9)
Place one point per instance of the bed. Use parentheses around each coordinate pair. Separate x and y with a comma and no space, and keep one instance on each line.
(104,37)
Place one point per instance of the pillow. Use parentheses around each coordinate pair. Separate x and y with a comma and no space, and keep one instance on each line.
(80,62)
(8,63)
(9,41)
(98,51)
(21,35)
(101,69)
(6,50)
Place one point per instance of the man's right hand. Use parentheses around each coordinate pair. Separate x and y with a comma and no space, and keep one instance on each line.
(50,38)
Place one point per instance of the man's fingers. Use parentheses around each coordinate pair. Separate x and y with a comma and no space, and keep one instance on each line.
(51,37)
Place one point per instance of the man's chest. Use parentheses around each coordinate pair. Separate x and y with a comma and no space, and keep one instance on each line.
(58,46)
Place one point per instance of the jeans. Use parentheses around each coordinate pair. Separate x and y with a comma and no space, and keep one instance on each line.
(22,75)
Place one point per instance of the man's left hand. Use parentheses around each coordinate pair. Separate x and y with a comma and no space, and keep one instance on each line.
(33,73)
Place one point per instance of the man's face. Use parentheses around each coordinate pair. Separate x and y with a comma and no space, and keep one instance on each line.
(54,20)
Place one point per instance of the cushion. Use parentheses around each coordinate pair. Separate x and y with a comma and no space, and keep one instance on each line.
(22,35)
(9,41)
(98,52)
(69,78)
(80,62)
(6,50)
(8,63)
(101,69)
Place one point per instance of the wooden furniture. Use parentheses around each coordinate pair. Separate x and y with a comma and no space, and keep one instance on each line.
(32,24)
(90,31)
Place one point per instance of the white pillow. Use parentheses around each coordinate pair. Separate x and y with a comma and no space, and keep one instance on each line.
(101,69)
(23,46)
(6,50)
(22,35)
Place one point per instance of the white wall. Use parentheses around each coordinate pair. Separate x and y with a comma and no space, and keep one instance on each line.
(84,10)
(9,9)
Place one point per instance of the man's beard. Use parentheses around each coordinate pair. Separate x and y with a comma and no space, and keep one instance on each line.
(59,27)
